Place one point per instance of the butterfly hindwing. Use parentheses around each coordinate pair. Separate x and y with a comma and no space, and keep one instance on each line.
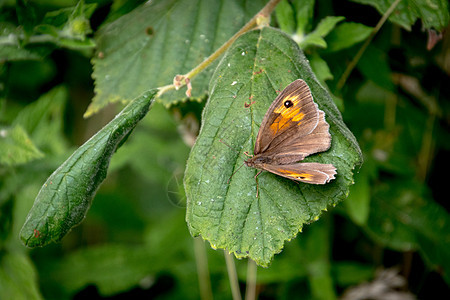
(293,113)
(314,173)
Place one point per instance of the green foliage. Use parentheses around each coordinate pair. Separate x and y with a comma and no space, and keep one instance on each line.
(133,240)
(67,194)
(16,147)
(226,212)
(17,277)
(156,35)
(432,13)
(35,36)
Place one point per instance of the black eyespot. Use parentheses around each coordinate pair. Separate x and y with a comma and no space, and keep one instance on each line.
(288,103)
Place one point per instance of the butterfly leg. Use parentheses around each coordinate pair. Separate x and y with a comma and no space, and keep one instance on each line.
(257,186)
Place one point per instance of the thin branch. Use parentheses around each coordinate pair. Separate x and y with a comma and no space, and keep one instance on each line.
(358,55)
(265,11)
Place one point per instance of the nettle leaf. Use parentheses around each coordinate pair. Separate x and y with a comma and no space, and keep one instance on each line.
(433,13)
(227,212)
(159,40)
(66,196)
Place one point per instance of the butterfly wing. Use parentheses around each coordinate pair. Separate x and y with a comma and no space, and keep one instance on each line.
(292,113)
(299,147)
(314,173)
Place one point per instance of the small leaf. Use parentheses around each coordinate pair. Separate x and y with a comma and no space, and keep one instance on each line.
(16,147)
(320,68)
(304,11)
(66,196)
(358,202)
(43,120)
(346,35)
(11,49)
(381,74)
(433,13)
(160,39)
(315,38)
(285,17)
(228,214)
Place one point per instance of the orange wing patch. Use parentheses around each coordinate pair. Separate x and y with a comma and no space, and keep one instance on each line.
(302,176)
(287,114)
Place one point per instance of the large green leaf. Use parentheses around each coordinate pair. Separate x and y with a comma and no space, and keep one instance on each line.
(229,214)
(160,39)
(433,13)
(67,194)
(403,216)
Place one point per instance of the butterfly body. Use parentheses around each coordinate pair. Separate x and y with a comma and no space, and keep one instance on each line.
(292,129)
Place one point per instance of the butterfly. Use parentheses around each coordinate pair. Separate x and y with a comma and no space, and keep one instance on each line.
(292,129)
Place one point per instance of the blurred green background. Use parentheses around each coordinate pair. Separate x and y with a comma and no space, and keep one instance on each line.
(134,241)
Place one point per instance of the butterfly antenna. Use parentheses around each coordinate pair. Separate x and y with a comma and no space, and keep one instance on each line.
(234,149)
(235,171)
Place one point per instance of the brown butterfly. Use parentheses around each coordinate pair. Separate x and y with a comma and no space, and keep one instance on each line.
(293,128)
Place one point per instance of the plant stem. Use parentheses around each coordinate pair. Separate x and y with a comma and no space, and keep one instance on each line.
(250,292)
(358,55)
(265,11)
(232,276)
(202,269)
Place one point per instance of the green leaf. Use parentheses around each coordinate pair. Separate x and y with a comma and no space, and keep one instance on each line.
(18,278)
(346,35)
(114,268)
(433,13)
(285,16)
(320,68)
(402,211)
(67,194)
(69,26)
(11,49)
(26,15)
(315,38)
(16,147)
(228,214)
(404,217)
(43,120)
(304,11)
(159,40)
(357,204)
(381,74)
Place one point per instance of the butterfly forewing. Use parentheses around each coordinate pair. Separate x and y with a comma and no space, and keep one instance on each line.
(299,147)
(293,113)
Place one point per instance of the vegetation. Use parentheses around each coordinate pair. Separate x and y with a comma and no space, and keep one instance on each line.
(107,206)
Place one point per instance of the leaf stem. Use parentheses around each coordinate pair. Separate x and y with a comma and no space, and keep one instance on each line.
(265,11)
(358,55)
(201,260)
(232,276)
(250,292)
